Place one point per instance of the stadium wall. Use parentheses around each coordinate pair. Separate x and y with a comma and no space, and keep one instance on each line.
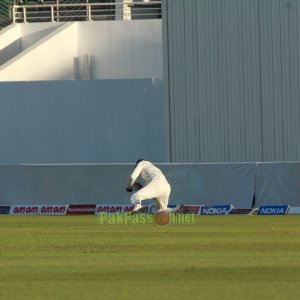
(231,73)
(49,51)
(82,121)
(241,184)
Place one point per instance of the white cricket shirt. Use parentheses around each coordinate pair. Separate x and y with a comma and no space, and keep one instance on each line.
(148,172)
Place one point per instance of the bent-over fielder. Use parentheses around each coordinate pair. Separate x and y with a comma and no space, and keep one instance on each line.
(155,187)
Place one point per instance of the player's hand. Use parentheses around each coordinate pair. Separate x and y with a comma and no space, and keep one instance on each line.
(129,189)
(137,186)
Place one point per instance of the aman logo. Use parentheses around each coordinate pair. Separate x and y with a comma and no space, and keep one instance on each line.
(273,210)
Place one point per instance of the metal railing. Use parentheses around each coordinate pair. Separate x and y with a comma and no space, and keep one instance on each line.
(118,10)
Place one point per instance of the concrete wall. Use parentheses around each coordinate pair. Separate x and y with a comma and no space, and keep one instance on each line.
(46,51)
(9,35)
(90,121)
(48,58)
(16,38)
(202,184)
(122,49)
(231,72)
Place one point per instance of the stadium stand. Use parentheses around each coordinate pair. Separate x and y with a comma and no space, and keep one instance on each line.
(84,10)
(5,13)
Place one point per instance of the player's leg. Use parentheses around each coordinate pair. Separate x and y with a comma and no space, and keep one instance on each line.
(145,193)
(135,200)
(163,199)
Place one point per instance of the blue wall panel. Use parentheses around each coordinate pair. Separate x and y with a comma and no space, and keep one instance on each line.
(107,121)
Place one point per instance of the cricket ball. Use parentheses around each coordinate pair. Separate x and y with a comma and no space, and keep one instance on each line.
(162,218)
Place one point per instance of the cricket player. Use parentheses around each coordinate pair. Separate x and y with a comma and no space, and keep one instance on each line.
(156,186)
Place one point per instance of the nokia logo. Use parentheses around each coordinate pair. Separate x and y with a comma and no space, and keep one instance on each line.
(273,210)
(216,210)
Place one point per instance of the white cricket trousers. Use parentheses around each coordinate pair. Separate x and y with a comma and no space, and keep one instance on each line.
(158,190)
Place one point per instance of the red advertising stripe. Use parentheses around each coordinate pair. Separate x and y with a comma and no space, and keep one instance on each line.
(81,209)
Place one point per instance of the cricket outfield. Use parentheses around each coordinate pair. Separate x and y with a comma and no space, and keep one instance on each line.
(217,257)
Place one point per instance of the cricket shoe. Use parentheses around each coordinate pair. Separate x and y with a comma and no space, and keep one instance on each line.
(182,210)
(137,209)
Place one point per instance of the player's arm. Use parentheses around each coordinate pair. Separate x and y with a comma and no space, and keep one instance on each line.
(137,186)
(133,186)
(129,187)
(135,174)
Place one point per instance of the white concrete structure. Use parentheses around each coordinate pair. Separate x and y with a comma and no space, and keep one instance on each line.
(81,50)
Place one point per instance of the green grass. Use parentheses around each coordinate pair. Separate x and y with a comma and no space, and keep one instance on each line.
(221,257)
